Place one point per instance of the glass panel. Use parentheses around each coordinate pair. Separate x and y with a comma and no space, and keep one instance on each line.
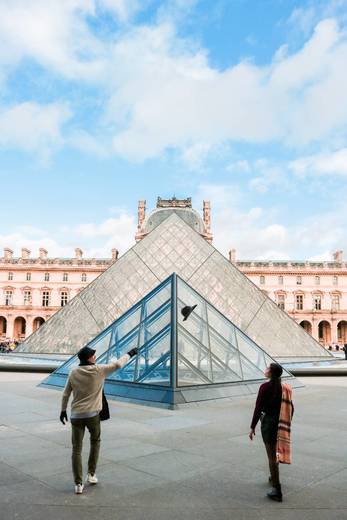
(151,365)
(129,322)
(155,324)
(250,371)
(193,354)
(194,325)
(251,351)
(188,374)
(221,325)
(154,362)
(158,298)
(101,343)
(228,355)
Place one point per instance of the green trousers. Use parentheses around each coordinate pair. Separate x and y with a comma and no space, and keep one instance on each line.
(78,428)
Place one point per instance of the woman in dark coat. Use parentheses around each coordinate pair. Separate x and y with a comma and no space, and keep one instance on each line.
(267,408)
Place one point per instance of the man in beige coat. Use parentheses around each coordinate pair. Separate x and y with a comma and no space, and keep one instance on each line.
(86,383)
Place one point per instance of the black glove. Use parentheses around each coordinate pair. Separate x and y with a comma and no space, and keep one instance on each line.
(133,352)
(63,417)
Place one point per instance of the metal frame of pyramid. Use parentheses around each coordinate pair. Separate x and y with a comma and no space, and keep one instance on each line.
(180,361)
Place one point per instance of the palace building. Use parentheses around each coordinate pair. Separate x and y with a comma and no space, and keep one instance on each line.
(32,288)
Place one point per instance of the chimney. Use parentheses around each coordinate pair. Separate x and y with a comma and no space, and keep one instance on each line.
(8,253)
(115,254)
(338,256)
(25,253)
(78,253)
(232,256)
(206,211)
(43,253)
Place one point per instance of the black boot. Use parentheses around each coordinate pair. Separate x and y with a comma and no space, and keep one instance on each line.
(275,494)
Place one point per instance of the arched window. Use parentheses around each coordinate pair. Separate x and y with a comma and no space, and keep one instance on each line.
(84,277)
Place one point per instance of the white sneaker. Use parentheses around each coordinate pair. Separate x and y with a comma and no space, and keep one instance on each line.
(79,489)
(92,479)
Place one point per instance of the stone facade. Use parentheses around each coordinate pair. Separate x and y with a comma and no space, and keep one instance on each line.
(314,294)
(32,289)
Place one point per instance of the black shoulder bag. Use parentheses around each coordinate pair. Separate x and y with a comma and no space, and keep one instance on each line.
(105,412)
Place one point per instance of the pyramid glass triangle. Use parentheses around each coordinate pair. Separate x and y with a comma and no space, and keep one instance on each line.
(205,352)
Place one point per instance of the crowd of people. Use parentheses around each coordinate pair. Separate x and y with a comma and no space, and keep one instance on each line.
(8,345)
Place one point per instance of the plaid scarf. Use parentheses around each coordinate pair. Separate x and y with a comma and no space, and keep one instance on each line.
(283,448)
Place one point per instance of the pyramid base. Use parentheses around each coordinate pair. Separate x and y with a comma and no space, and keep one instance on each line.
(172,398)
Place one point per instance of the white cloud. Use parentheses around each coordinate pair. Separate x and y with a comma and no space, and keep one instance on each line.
(258,232)
(95,239)
(33,127)
(159,91)
(333,163)
(123,9)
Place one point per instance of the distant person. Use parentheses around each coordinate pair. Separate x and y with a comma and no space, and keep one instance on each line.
(86,384)
(330,347)
(337,347)
(275,409)
(344,348)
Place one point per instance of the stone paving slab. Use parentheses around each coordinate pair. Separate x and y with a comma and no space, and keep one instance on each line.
(195,463)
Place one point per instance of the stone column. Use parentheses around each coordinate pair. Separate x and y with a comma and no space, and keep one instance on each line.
(315,328)
(334,338)
(141,214)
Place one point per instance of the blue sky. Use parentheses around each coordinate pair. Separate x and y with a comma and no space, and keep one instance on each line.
(241,102)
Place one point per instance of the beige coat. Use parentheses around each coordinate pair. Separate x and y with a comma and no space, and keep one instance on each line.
(86,383)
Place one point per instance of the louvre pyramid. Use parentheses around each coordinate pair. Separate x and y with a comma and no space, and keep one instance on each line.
(173,247)
(205,357)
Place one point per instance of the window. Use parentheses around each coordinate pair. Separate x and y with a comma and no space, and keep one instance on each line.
(299,302)
(45,298)
(317,280)
(46,277)
(281,301)
(280,280)
(63,298)
(8,297)
(27,297)
(335,302)
(317,302)
(335,280)
(65,277)
(84,277)
(28,277)
(262,280)
(298,280)
(10,276)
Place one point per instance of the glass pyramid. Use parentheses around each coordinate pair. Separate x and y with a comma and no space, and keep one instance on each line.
(206,351)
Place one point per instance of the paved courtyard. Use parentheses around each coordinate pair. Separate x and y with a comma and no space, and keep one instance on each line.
(196,463)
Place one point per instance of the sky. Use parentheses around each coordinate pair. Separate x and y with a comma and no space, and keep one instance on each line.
(239,102)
